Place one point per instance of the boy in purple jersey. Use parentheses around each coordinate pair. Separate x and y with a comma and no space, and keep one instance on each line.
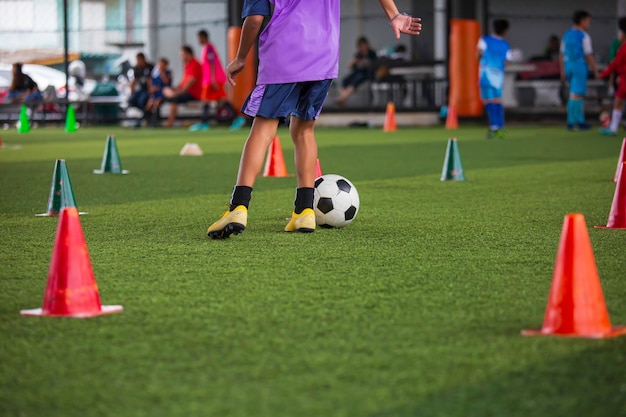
(298,58)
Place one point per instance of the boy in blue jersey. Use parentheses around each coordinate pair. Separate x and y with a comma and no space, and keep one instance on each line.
(575,58)
(493,52)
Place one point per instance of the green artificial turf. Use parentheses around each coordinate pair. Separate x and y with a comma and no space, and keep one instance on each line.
(415,309)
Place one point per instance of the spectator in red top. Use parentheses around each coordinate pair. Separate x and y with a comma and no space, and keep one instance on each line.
(190,87)
(617,66)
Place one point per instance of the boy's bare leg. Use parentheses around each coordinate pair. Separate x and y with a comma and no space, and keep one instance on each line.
(344,94)
(173,113)
(305,150)
(261,135)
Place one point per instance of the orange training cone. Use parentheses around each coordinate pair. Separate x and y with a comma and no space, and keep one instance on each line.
(617,215)
(621,160)
(452,121)
(275,162)
(576,304)
(390,118)
(318,169)
(71,290)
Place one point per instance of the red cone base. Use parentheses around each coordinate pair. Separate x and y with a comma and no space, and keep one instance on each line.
(84,315)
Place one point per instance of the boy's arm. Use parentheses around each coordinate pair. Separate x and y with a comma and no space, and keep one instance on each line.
(480,48)
(399,22)
(249,32)
(165,77)
(589,55)
(592,63)
(185,88)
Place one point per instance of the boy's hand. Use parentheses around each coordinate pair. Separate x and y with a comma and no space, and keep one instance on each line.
(406,24)
(234,68)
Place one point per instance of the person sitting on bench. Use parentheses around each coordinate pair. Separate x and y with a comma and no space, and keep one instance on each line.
(190,87)
(23,89)
(161,79)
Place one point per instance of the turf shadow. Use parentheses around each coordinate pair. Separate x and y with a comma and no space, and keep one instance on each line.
(532,391)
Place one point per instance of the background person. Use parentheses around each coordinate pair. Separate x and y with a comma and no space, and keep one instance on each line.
(213,79)
(575,58)
(617,66)
(23,88)
(190,87)
(140,84)
(161,78)
(613,48)
(362,69)
(493,52)
(553,49)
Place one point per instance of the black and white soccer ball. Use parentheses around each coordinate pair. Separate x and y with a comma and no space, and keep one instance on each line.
(336,201)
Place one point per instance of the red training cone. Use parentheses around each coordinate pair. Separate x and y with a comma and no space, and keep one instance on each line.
(452,121)
(318,169)
(576,305)
(275,162)
(621,160)
(390,118)
(617,215)
(71,290)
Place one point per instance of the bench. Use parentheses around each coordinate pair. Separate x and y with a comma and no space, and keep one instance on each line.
(554,93)
(91,110)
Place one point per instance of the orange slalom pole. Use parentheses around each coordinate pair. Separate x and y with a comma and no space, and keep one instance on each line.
(463,72)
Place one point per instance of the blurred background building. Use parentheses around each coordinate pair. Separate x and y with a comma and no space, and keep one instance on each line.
(105,33)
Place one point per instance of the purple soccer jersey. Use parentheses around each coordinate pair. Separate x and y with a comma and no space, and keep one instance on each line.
(300,42)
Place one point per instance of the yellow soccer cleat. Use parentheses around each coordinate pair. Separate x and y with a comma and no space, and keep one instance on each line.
(303,222)
(232,222)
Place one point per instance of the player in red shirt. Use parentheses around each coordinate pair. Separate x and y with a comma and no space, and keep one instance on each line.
(618,66)
(190,87)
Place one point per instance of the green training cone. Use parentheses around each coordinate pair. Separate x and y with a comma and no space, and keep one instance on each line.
(452,166)
(111,163)
(70,120)
(61,193)
(23,125)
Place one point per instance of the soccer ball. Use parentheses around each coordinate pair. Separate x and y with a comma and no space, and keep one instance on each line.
(336,201)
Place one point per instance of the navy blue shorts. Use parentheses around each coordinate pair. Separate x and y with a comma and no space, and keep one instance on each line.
(303,100)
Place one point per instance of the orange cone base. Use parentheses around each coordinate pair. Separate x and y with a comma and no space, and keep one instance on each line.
(84,315)
(99,171)
(614,332)
(607,227)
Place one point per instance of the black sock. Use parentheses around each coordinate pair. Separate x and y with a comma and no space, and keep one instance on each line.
(304,199)
(241,196)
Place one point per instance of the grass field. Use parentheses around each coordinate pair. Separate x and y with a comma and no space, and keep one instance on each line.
(413,310)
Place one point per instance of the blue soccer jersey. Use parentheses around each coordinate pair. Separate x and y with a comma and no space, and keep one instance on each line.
(575,46)
(495,51)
